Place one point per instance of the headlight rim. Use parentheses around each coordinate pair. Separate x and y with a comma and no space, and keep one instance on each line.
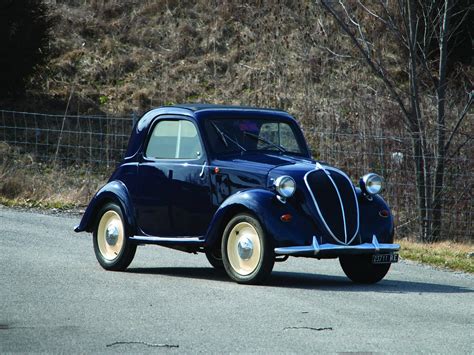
(278,182)
(365,181)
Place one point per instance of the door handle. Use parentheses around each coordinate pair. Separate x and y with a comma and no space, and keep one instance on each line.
(202,173)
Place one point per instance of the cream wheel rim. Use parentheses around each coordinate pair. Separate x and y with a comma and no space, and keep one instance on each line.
(110,235)
(243,248)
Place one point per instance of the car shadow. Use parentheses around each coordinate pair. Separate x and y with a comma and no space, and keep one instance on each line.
(203,273)
(308,281)
(341,283)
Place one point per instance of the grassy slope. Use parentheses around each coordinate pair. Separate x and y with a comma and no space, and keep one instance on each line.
(455,256)
(119,56)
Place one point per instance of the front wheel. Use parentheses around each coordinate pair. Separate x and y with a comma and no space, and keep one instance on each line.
(246,251)
(359,268)
(113,250)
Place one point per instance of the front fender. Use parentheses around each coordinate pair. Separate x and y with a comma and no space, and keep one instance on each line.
(268,210)
(114,191)
(371,221)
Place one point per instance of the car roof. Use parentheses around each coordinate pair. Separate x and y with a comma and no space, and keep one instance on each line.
(201,107)
(198,112)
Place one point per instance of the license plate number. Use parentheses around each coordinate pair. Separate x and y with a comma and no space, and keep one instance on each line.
(384,258)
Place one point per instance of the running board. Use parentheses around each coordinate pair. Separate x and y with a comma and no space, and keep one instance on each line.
(169,240)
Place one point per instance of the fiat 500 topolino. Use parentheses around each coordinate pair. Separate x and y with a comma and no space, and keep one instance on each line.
(239,185)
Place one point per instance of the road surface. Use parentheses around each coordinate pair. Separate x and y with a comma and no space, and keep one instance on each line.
(54,297)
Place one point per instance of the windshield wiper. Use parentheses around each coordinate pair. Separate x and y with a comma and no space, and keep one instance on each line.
(279,147)
(224,136)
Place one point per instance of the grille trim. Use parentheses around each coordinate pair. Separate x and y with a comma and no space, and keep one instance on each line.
(326,170)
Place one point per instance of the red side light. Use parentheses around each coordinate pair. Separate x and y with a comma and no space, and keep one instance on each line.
(216,170)
(384,213)
(286,217)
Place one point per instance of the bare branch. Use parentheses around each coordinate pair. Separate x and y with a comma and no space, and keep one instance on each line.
(458,149)
(379,71)
(385,22)
(460,119)
(334,53)
(392,25)
(359,28)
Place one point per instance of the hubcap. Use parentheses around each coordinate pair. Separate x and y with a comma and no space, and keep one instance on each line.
(110,235)
(243,248)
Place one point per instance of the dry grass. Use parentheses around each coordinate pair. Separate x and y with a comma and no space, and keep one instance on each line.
(454,256)
(24,182)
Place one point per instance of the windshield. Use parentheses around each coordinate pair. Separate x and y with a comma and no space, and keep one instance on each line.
(241,135)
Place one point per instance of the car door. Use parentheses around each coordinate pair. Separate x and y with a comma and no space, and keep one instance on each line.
(174,183)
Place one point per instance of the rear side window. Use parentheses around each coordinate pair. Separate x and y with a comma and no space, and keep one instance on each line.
(174,140)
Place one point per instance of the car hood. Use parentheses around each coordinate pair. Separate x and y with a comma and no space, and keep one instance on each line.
(264,163)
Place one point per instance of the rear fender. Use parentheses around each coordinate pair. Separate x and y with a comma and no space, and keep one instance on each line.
(114,191)
(265,206)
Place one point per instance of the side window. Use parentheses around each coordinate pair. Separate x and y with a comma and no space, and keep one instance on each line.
(174,140)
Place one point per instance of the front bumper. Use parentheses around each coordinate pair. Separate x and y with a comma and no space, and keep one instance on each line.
(328,250)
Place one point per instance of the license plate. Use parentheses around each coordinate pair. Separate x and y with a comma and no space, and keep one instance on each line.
(384,258)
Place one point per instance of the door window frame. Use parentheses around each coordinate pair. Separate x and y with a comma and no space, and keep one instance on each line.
(156,121)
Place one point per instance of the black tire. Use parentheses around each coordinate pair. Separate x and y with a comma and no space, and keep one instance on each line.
(244,262)
(359,268)
(215,258)
(112,256)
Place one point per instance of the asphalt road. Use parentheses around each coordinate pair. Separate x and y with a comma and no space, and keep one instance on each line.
(54,297)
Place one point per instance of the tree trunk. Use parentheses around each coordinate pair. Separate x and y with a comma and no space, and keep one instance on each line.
(420,184)
(441,128)
(422,168)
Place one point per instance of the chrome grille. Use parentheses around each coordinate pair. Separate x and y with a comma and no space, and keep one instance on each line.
(336,203)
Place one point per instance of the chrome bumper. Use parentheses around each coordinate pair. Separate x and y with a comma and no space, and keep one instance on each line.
(327,249)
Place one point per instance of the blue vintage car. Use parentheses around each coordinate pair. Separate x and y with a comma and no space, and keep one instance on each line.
(238,184)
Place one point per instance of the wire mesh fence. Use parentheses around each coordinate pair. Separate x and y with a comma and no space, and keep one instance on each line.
(65,138)
(101,141)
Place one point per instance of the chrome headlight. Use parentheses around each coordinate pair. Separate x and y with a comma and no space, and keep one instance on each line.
(371,183)
(285,186)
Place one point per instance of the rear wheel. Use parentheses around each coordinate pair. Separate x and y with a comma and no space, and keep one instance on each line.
(246,251)
(113,249)
(359,268)
(214,257)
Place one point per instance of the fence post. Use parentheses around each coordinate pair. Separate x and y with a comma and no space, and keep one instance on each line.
(134,119)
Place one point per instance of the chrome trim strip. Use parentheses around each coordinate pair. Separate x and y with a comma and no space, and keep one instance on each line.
(325,169)
(375,242)
(176,240)
(201,174)
(315,248)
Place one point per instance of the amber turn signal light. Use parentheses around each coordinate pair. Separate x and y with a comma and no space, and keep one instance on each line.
(286,217)
(384,213)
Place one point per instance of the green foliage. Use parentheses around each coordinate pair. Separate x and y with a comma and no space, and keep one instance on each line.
(24,37)
(103,99)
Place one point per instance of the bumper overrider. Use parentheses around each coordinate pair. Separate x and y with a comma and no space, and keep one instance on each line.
(327,249)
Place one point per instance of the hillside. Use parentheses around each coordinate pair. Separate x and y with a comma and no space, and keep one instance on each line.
(122,56)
